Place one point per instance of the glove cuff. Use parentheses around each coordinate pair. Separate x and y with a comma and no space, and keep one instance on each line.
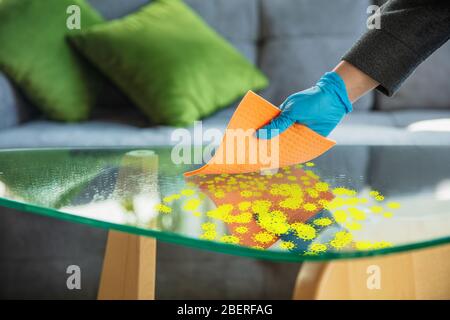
(334,82)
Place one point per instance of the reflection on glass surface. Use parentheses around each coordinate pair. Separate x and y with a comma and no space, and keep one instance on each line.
(352,201)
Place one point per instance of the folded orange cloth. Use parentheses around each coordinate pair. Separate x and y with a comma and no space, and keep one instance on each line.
(297,144)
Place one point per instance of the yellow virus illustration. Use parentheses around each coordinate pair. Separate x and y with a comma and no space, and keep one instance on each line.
(246,193)
(242,229)
(321,186)
(382,244)
(258,247)
(323,222)
(230,239)
(208,226)
(341,191)
(310,164)
(287,245)
(357,214)
(163,208)
(304,231)
(374,193)
(379,198)
(312,175)
(171,198)
(291,203)
(261,206)
(313,193)
(341,239)
(376,209)
(209,235)
(340,216)
(192,204)
(244,217)
(188,192)
(219,194)
(353,226)
(387,214)
(221,212)
(318,248)
(310,207)
(393,205)
(244,205)
(263,237)
(274,222)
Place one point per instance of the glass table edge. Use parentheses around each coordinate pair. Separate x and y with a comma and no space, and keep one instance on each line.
(216,246)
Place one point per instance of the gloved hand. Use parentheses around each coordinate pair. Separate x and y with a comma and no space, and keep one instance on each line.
(320,108)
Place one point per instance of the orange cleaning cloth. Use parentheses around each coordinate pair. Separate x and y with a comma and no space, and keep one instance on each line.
(237,152)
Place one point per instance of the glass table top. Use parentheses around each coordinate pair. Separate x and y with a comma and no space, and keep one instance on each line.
(353,201)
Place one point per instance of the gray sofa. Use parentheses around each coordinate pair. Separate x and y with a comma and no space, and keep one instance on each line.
(293,42)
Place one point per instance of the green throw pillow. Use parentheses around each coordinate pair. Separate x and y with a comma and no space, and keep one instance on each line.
(169,62)
(35,54)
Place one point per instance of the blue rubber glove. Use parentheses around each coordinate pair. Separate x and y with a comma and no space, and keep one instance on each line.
(320,108)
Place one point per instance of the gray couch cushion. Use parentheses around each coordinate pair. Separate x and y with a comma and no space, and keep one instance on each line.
(236,20)
(302,39)
(13,107)
(113,9)
(390,128)
(362,128)
(428,87)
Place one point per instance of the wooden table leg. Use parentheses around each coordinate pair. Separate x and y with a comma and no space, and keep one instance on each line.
(419,274)
(129,268)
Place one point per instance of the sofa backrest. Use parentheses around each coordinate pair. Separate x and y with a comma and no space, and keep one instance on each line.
(293,41)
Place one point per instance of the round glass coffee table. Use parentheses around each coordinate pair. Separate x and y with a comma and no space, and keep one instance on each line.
(367,221)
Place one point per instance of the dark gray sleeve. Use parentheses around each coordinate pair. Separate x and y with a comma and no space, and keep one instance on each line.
(410,31)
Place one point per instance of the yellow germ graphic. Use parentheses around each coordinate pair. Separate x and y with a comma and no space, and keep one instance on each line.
(261,206)
(393,205)
(321,186)
(242,229)
(244,205)
(219,194)
(341,239)
(318,248)
(353,226)
(291,203)
(287,245)
(171,198)
(376,209)
(313,193)
(368,245)
(374,193)
(230,239)
(263,237)
(210,231)
(357,214)
(323,222)
(188,192)
(246,193)
(274,222)
(192,204)
(304,231)
(387,214)
(279,203)
(341,191)
(340,216)
(163,208)
(310,207)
